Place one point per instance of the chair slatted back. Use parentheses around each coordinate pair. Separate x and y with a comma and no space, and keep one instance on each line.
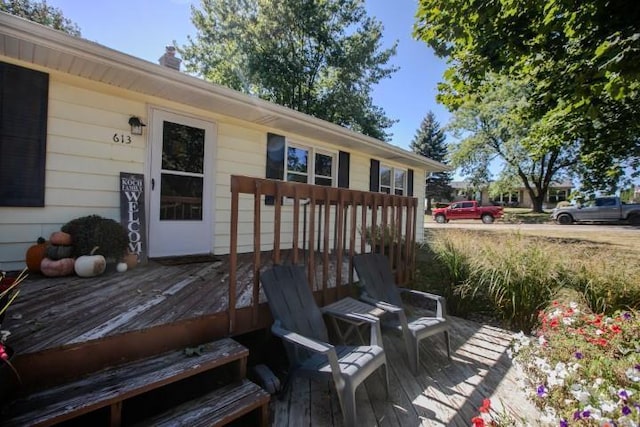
(291,301)
(374,273)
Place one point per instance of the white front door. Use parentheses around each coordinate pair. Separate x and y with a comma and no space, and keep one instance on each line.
(181,198)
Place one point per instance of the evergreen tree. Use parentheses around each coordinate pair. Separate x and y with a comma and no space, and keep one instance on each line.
(429,141)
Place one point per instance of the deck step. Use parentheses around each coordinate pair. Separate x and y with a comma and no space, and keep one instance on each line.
(110,389)
(217,408)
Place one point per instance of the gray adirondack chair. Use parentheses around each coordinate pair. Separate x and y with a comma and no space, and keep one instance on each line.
(379,288)
(299,322)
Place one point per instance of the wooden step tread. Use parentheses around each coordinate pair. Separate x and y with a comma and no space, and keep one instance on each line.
(116,384)
(217,408)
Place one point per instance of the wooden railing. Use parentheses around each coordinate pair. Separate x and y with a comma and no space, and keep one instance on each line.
(326,226)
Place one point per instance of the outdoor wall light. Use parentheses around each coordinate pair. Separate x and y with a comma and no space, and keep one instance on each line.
(136,125)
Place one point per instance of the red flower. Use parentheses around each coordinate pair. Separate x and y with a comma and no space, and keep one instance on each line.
(615,329)
(554,323)
(477,422)
(486,405)
(602,342)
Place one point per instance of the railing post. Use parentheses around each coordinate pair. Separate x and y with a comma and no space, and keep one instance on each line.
(233,255)
(257,218)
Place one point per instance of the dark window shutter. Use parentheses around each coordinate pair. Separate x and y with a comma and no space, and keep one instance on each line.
(275,156)
(275,161)
(374,176)
(24,97)
(410,183)
(344,159)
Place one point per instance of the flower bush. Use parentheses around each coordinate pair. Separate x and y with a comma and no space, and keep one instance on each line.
(489,416)
(8,293)
(583,368)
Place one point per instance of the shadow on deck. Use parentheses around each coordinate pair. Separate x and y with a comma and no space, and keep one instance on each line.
(63,328)
(442,394)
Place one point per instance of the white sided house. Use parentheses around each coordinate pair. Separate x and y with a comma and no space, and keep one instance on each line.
(69,109)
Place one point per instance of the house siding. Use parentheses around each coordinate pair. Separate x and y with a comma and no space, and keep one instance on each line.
(83,164)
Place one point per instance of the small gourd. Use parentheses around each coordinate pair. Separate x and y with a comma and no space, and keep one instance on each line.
(121,267)
(90,265)
(60,238)
(35,254)
(57,268)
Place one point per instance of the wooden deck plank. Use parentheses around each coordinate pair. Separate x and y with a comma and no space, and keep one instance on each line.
(442,394)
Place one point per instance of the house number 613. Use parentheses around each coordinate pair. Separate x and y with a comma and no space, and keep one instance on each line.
(122,138)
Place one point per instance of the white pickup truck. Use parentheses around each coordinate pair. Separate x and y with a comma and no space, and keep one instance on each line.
(601,209)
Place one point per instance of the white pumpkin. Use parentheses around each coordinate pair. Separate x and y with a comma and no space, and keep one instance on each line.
(121,267)
(90,265)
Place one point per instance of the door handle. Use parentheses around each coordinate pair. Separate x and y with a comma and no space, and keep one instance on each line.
(153,184)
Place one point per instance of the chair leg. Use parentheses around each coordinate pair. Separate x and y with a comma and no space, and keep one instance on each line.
(349,405)
(448,343)
(386,379)
(412,347)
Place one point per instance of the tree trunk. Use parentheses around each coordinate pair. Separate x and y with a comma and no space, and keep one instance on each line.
(428,205)
(537,201)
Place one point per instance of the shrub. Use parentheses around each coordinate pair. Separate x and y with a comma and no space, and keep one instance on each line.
(90,231)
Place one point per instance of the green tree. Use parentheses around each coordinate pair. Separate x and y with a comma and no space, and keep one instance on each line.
(582,58)
(430,141)
(318,57)
(41,13)
(496,125)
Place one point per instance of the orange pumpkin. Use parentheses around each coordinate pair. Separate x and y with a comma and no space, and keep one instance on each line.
(35,254)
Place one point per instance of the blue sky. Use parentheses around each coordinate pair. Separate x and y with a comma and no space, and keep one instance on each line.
(143,27)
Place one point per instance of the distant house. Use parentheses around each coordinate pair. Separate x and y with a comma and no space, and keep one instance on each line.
(76,114)
(558,192)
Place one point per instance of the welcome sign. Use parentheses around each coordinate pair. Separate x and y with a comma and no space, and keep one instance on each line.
(132,215)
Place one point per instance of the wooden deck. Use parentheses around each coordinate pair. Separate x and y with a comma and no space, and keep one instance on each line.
(76,325)
(443,394)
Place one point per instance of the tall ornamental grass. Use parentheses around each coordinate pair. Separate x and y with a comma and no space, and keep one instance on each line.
(513,276)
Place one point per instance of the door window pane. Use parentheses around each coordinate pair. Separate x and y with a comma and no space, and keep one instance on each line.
(181,198)
(182,148)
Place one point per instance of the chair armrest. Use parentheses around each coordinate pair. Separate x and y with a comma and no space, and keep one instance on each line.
(313,345)
(380,304)
(441,302)
(301,340)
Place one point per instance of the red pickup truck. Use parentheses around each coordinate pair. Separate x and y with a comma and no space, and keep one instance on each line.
(467,210)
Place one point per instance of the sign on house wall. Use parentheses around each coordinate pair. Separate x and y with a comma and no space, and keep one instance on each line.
(132,215)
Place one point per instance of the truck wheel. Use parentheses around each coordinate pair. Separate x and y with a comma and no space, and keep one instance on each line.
(487,219)
(440,219)
(564,219)
(634,219)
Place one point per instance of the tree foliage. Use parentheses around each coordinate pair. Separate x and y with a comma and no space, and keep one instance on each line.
(496,124)
(41,13)
(582,58)
(318,57)
(430,141)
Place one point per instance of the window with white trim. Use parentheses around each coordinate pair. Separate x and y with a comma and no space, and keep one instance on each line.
(393,180)
(320,171)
